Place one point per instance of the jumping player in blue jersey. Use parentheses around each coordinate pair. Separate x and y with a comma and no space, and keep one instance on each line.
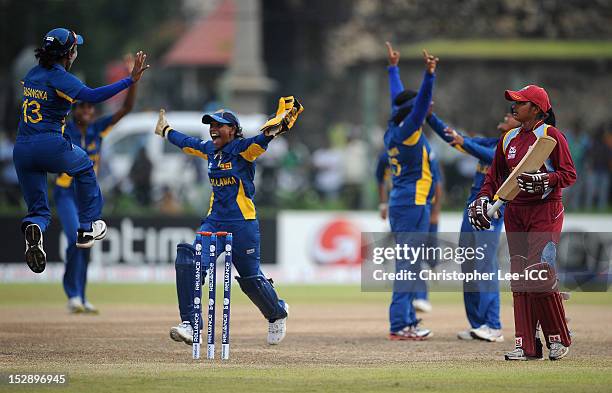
(481,299)
(41,146)
(383,178)
(409,211)
(86,133)
(231,170)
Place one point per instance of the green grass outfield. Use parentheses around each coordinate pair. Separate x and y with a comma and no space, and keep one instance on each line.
(468,377)
(19,295)
(570,375)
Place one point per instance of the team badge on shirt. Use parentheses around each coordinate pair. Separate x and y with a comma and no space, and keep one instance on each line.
(511,152)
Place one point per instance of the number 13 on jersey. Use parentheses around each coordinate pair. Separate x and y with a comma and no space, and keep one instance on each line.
(34,107)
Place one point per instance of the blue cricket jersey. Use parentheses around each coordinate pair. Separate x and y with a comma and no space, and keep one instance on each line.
(407,147)
(383,173)
(47,97)
(231,171)
(481,148)
(91,142)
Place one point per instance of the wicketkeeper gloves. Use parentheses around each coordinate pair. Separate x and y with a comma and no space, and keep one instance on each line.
(533,183)
(162,128)
(288,110)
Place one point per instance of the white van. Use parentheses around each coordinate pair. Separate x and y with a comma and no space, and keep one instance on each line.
(171,167)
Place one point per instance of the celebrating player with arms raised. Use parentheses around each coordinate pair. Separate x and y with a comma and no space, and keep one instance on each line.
(533,220)
(231,171)
(41,146)
(409,211)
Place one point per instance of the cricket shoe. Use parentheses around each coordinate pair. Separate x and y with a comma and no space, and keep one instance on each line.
(422,305)
(557,351)
(34,254)
(86,239)
(465,335)
(75,305)
(278,329)
(411,333)
(182,333)
(518,354)
(90,309)
(486,333)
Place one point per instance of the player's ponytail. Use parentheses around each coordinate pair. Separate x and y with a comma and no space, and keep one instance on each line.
(45,58)
(550,118)
(238,134)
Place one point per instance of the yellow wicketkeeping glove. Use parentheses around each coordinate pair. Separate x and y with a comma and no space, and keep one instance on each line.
(287,113)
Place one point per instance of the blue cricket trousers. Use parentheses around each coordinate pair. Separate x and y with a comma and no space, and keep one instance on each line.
(481,299)
(405,220)
(36,155)
(77,259)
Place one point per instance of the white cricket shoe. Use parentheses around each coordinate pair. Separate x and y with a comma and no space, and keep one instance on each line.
(75,305)
(465,335)
(487,334)
(90,308)
(86,239)
(182,333)
(278,329)
(422,305)
(35,255)
(557,351)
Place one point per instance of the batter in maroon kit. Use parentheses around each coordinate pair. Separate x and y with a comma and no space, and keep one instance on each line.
(533,221)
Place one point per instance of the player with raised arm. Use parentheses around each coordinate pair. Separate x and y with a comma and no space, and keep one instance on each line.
(533,219)
(49,90)
(434,200)
(409,211)
(86,133)
(231,171)
(481,300)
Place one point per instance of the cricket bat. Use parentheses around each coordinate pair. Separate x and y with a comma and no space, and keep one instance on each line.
(531,162)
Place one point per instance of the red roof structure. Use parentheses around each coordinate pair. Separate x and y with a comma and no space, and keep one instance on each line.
(209,42)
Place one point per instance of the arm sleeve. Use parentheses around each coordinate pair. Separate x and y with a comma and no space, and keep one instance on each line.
(473,148)
(470,145)
(498,171)
(438,126)
(188,144)
(395,83)
(421,106)
(381,166)
(67,85)
(103,93)
(561,160)
(251,148)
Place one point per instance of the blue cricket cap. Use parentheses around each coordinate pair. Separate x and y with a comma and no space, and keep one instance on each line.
(223,116)
(59,41)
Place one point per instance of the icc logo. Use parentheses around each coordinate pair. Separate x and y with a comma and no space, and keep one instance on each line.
(225,301)
(228,247)
(198,247)
(212,248)
(338,243)
(512,152)
(196,300)
(211,302)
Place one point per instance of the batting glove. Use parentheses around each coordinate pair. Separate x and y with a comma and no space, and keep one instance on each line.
(477,214)
(286,115)
(162,128)
(533,183)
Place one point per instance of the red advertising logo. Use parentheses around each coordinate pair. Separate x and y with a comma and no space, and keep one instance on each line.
(338,243)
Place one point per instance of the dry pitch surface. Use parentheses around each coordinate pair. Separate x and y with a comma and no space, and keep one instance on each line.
(336,342)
